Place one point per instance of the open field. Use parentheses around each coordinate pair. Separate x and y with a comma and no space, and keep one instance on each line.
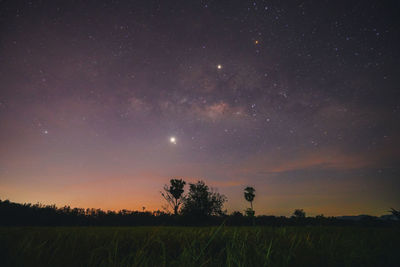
(202,246)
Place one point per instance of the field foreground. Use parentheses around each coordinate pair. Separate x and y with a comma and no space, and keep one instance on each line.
(201,246)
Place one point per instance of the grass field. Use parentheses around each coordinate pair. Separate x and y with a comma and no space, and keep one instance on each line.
(203,246)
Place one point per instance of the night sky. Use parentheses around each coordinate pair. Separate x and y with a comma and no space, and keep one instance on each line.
(102,102)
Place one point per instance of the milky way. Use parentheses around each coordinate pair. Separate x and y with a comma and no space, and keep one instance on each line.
(298,99)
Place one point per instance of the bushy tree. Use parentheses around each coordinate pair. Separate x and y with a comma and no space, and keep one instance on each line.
(236,214)
(249,212)
(395,213)
(299,213)
(201,201)
(173,194)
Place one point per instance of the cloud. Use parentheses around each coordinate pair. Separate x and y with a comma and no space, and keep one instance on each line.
(324,159)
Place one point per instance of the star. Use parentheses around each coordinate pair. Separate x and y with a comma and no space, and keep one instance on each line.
(172,140)
(219,66)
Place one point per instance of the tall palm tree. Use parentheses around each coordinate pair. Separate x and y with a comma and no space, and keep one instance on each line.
(249,195)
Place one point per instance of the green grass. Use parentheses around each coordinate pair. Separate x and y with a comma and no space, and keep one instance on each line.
(202,246)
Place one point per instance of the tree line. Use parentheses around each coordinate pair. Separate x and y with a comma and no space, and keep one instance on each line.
(201,205)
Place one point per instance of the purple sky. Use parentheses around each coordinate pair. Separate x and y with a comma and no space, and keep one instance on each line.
(299,99)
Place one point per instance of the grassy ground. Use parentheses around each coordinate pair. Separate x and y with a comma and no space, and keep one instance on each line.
(203,246)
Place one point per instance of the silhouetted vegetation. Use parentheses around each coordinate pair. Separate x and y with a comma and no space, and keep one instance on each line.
(173,194)
(199,246)
(395,213)
(249,194)
(200,206)
(14,214)
(268,240)
(299,214)
(201,202)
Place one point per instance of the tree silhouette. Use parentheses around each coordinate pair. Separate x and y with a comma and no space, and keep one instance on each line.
(249,195)
(299,213)
(173,194)
(249,212)
(203,202)
(395,213)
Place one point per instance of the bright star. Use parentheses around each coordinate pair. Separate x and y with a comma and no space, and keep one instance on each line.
(172,140)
